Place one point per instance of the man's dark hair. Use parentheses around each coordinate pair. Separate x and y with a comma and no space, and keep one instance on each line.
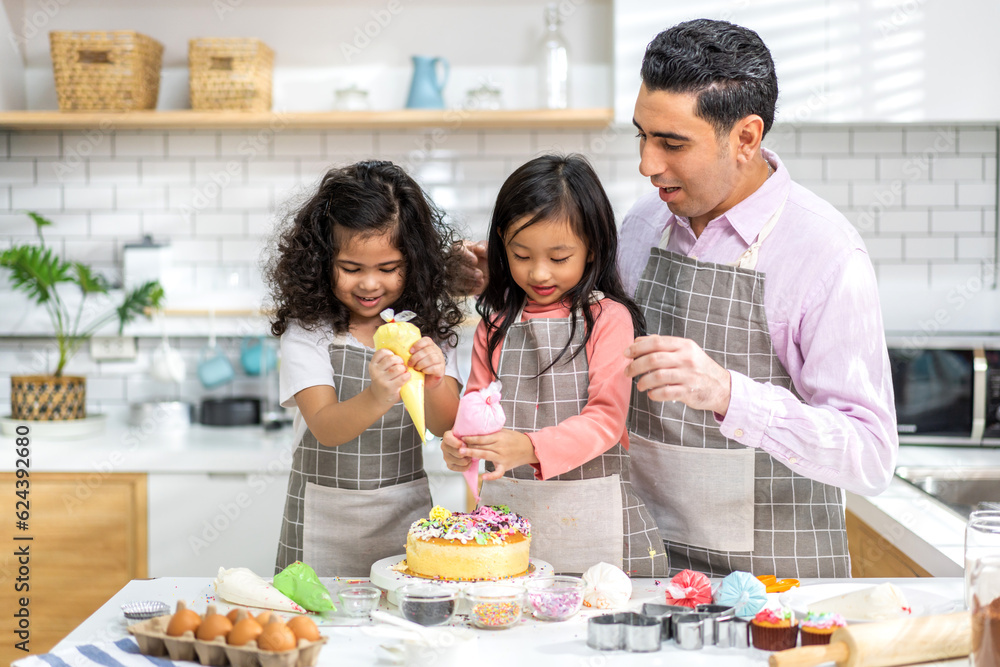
(728,67)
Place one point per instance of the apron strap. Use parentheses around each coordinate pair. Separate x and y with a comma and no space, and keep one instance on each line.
(748,260)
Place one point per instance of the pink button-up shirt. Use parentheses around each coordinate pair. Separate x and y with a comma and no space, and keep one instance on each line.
(823,314)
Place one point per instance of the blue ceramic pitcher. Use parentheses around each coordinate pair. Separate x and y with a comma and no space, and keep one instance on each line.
(426,88)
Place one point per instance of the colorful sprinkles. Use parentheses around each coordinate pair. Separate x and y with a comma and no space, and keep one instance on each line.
(496,614)
(490,524)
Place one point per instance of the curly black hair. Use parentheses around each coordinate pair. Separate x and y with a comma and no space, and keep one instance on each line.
(369,198)
(728,67)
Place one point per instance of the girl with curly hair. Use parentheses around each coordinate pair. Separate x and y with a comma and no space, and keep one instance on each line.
(367,240)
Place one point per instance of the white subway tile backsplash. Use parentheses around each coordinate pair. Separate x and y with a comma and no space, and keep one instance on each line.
(885,248)
(956,222)
(68,225)
(204,249)
(31,144)
(837,194)
(246,145)
(167,172)
(519,144)
(4,198)
(219,224)
(876,141)
(236,197)
(976,247)
(904,222)
(220,173)
(931,141)
(139,145)
(272,172)
(912,274)
(241,252)
(187,199)
(875,195)
(561,142)
(824,142)
(293,144)
(977,194)
(851,168)
(311,172)
(966,275)
(88,197)
(143,197)
(903,168)
(90,252)
(119,225)
(116,172)
(975,140)
(86,144)
(957,168)
(167,225)
(261,224)
(42,198)
(18,228)
(201,144)
(352,147)
(800,169)
(616,140)
(60,171)
(480,170)
(932,247)
(433,172)
(19,171)
(929,194)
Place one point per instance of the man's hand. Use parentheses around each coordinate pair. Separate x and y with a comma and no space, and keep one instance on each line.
(676,369)
(471,274)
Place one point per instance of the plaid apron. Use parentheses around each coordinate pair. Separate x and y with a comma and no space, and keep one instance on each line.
(352,505)
(586,515)
(722,506)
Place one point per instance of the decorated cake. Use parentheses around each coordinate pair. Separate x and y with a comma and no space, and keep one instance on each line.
(490,543)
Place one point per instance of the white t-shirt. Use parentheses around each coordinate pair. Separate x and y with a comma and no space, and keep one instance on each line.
(305,360)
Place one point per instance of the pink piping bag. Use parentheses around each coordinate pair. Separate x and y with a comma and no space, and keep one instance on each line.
(479,413)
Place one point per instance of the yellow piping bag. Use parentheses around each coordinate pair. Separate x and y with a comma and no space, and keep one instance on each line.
(397,335)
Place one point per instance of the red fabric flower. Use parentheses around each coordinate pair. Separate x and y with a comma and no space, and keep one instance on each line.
(688,589)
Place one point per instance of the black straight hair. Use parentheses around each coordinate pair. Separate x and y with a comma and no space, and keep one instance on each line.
(554,188)
(727,67)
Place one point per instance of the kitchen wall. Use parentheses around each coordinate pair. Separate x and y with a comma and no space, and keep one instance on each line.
(922,196)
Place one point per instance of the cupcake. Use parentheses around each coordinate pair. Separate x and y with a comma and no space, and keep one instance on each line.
(774,630)
(817,628)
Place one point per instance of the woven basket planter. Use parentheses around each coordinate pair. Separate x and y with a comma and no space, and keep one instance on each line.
(48,397)
(105,71)
(230,74)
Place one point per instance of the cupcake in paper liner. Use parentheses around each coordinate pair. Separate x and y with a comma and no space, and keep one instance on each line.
(774,630)
(742,591)
(818,628)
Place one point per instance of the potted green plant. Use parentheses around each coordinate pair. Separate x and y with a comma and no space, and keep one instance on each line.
(38,272)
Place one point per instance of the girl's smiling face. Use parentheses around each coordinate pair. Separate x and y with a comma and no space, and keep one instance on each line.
(368,274)
(546,259)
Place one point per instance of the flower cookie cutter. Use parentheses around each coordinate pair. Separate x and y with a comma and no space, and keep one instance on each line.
(628,630)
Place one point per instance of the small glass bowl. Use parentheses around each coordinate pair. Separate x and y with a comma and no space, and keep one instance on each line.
(495,605)
(426,604)
(359,600)
(555,598)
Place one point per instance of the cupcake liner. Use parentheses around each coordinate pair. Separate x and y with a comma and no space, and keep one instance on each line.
(816,636)
(769,638)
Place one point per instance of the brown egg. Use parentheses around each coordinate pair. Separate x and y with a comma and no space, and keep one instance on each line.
(276,637)
(304,628)
(264,618)
(212,626)
(182,621)
(232,615)
(244,631)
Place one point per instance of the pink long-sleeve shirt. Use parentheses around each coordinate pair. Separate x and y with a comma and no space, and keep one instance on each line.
(601,423)
(823,313)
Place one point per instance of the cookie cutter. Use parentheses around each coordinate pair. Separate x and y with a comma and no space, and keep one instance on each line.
(715,615)
(664,612)
(689,631)
(630,631)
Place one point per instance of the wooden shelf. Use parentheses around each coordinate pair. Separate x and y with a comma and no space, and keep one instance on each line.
(452,120)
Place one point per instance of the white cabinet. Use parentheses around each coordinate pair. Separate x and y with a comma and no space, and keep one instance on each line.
(200,522)
(845,60)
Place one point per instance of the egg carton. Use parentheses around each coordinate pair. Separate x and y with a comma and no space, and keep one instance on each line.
(153,641)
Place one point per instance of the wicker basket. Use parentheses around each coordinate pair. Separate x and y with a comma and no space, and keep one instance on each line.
(48,397)
(106,71)
(230,74)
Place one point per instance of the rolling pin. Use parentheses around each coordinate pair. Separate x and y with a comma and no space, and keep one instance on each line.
(900,642)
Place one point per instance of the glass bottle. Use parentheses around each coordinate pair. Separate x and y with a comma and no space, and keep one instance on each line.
(555,62)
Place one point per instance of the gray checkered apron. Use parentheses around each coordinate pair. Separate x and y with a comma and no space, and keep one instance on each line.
(350,506)
(774,520)
(574,516)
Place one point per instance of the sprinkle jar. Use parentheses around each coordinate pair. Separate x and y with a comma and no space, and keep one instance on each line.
(426,604)
(494,605)
(555,598)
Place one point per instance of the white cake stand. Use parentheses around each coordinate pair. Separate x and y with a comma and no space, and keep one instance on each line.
(385,577)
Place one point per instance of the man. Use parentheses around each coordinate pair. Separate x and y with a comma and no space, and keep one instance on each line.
(764,387)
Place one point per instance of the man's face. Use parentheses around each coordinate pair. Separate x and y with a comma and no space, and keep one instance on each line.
(682,156)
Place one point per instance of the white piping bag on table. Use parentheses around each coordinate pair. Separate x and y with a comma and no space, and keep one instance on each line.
(479,413)
(397,335)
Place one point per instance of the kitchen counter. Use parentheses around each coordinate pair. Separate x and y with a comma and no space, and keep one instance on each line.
(556,644)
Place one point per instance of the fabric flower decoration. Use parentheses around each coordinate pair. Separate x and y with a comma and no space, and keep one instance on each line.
(744,592)
(689,589)
(606,587)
